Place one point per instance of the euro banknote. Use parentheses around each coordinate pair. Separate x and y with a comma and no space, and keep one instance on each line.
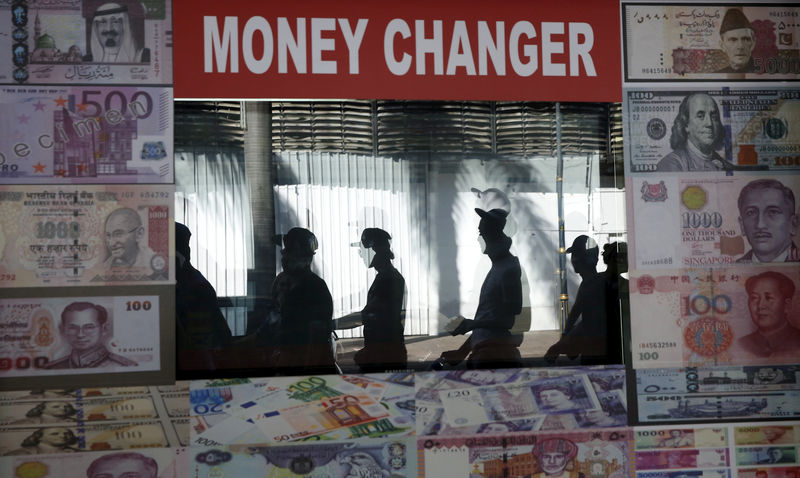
(724,407)
(727,379)
(675,459)
(80,135)
(598,452)
(687,437)
(694,41)
(743,130)
(64,42)
(86,235)
(707,317)
(161,462)
(375,458)
(771,455)
(700,221)
(48,336)
(774,433)
(34,440)
(77,411)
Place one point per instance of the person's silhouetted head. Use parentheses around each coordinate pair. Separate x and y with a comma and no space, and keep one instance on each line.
(299,247)
(584,254)
(492,223)
(182,236)
(380,242)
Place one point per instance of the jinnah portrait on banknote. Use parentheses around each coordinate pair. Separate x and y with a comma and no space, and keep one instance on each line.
(86,328)
(47,440)
(697,134)
(112,38)
(125,246)
(769,300)
(769,221)
(123,465)
(737,40)
(49,412)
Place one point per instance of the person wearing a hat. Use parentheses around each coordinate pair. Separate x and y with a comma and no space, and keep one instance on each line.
(304,306)
(492,344)
(382,316)
(585,331)
(737,40)
(555,458)
(201,327)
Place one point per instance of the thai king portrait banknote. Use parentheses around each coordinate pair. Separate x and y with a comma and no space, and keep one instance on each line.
(740,129)
(85,235)
(161,462)
(45,336)
(697,41)
(720,221)
(79,135)
(715,317)
(72,41)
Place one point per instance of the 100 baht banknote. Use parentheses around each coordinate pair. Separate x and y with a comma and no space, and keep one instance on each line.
(79,335)
(375,458)
(599,452)
(86,235)
(718,407)
(66,42)
(731,129)
(712,317)
(161,462)
(79,135)
(697,41)
(685,222)
(718,379)
(77,411)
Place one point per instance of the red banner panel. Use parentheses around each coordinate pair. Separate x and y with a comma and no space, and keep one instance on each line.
(426,50)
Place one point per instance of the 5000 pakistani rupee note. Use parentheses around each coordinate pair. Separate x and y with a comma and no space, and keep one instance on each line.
(65,41)
(78,135)
(741,130)
(86,235)
(161,462)
(707,318)
(713,222)
(46,336)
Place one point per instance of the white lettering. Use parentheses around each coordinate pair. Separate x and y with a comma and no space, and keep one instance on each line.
(295,46)
(496,50)
(581,50)
(460,51)
(529,51)
(549,47)
(319,44)
(429,45)
(353,40)
(257,24)
(394,27)
(221,45)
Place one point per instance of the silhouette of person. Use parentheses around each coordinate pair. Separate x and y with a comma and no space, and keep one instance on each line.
(585,331)
(615,256)
(200,323)
(492,344)
(304,305)
(384,345)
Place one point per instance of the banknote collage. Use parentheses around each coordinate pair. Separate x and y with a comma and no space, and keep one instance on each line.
(710,109)
(86,193)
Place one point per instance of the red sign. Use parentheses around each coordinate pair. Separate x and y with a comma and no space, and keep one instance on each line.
(427,50)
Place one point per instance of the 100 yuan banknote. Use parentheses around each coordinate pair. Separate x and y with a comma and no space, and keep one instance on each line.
(149,462)
(79,135)
(77,411)
(375,458)
(740,129)
(723,407)
(80,335)
(696,41)
(713,221)
(67,41)
(717,379)
(599,452)
(712,317)
(85,235)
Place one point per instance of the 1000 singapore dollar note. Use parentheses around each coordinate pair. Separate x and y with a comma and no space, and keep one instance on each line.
(696,41)
(78,135)
(706,317)
(162,462)
(373,458)
(684,222)
(85,235)
(599,452)
(67,41)
(742,130)
(38,343)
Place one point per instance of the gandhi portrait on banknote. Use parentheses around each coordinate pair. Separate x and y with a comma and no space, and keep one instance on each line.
(769,221)
(123,465)
(124,234)
(769,300)
(112,38)
(86,327)
(697,134)
(737,40)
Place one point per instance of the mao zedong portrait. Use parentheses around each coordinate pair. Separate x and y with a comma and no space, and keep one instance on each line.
(124,234)
(737,40)
(123,465)
(769,300)
(768,219)
(85,327)
(697,134)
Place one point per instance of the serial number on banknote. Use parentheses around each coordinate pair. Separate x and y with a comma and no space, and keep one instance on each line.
(658,345)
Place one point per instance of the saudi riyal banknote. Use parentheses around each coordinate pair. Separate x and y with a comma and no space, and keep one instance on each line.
(80,335)
(696,222)
(65,41)
(646,438)
(86,235)
(718,407)
(708,318)
(374,458)
(591,453)
(698,41)
(77,411)
(80,135)
(147,462)
(718,379)
(731,130)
